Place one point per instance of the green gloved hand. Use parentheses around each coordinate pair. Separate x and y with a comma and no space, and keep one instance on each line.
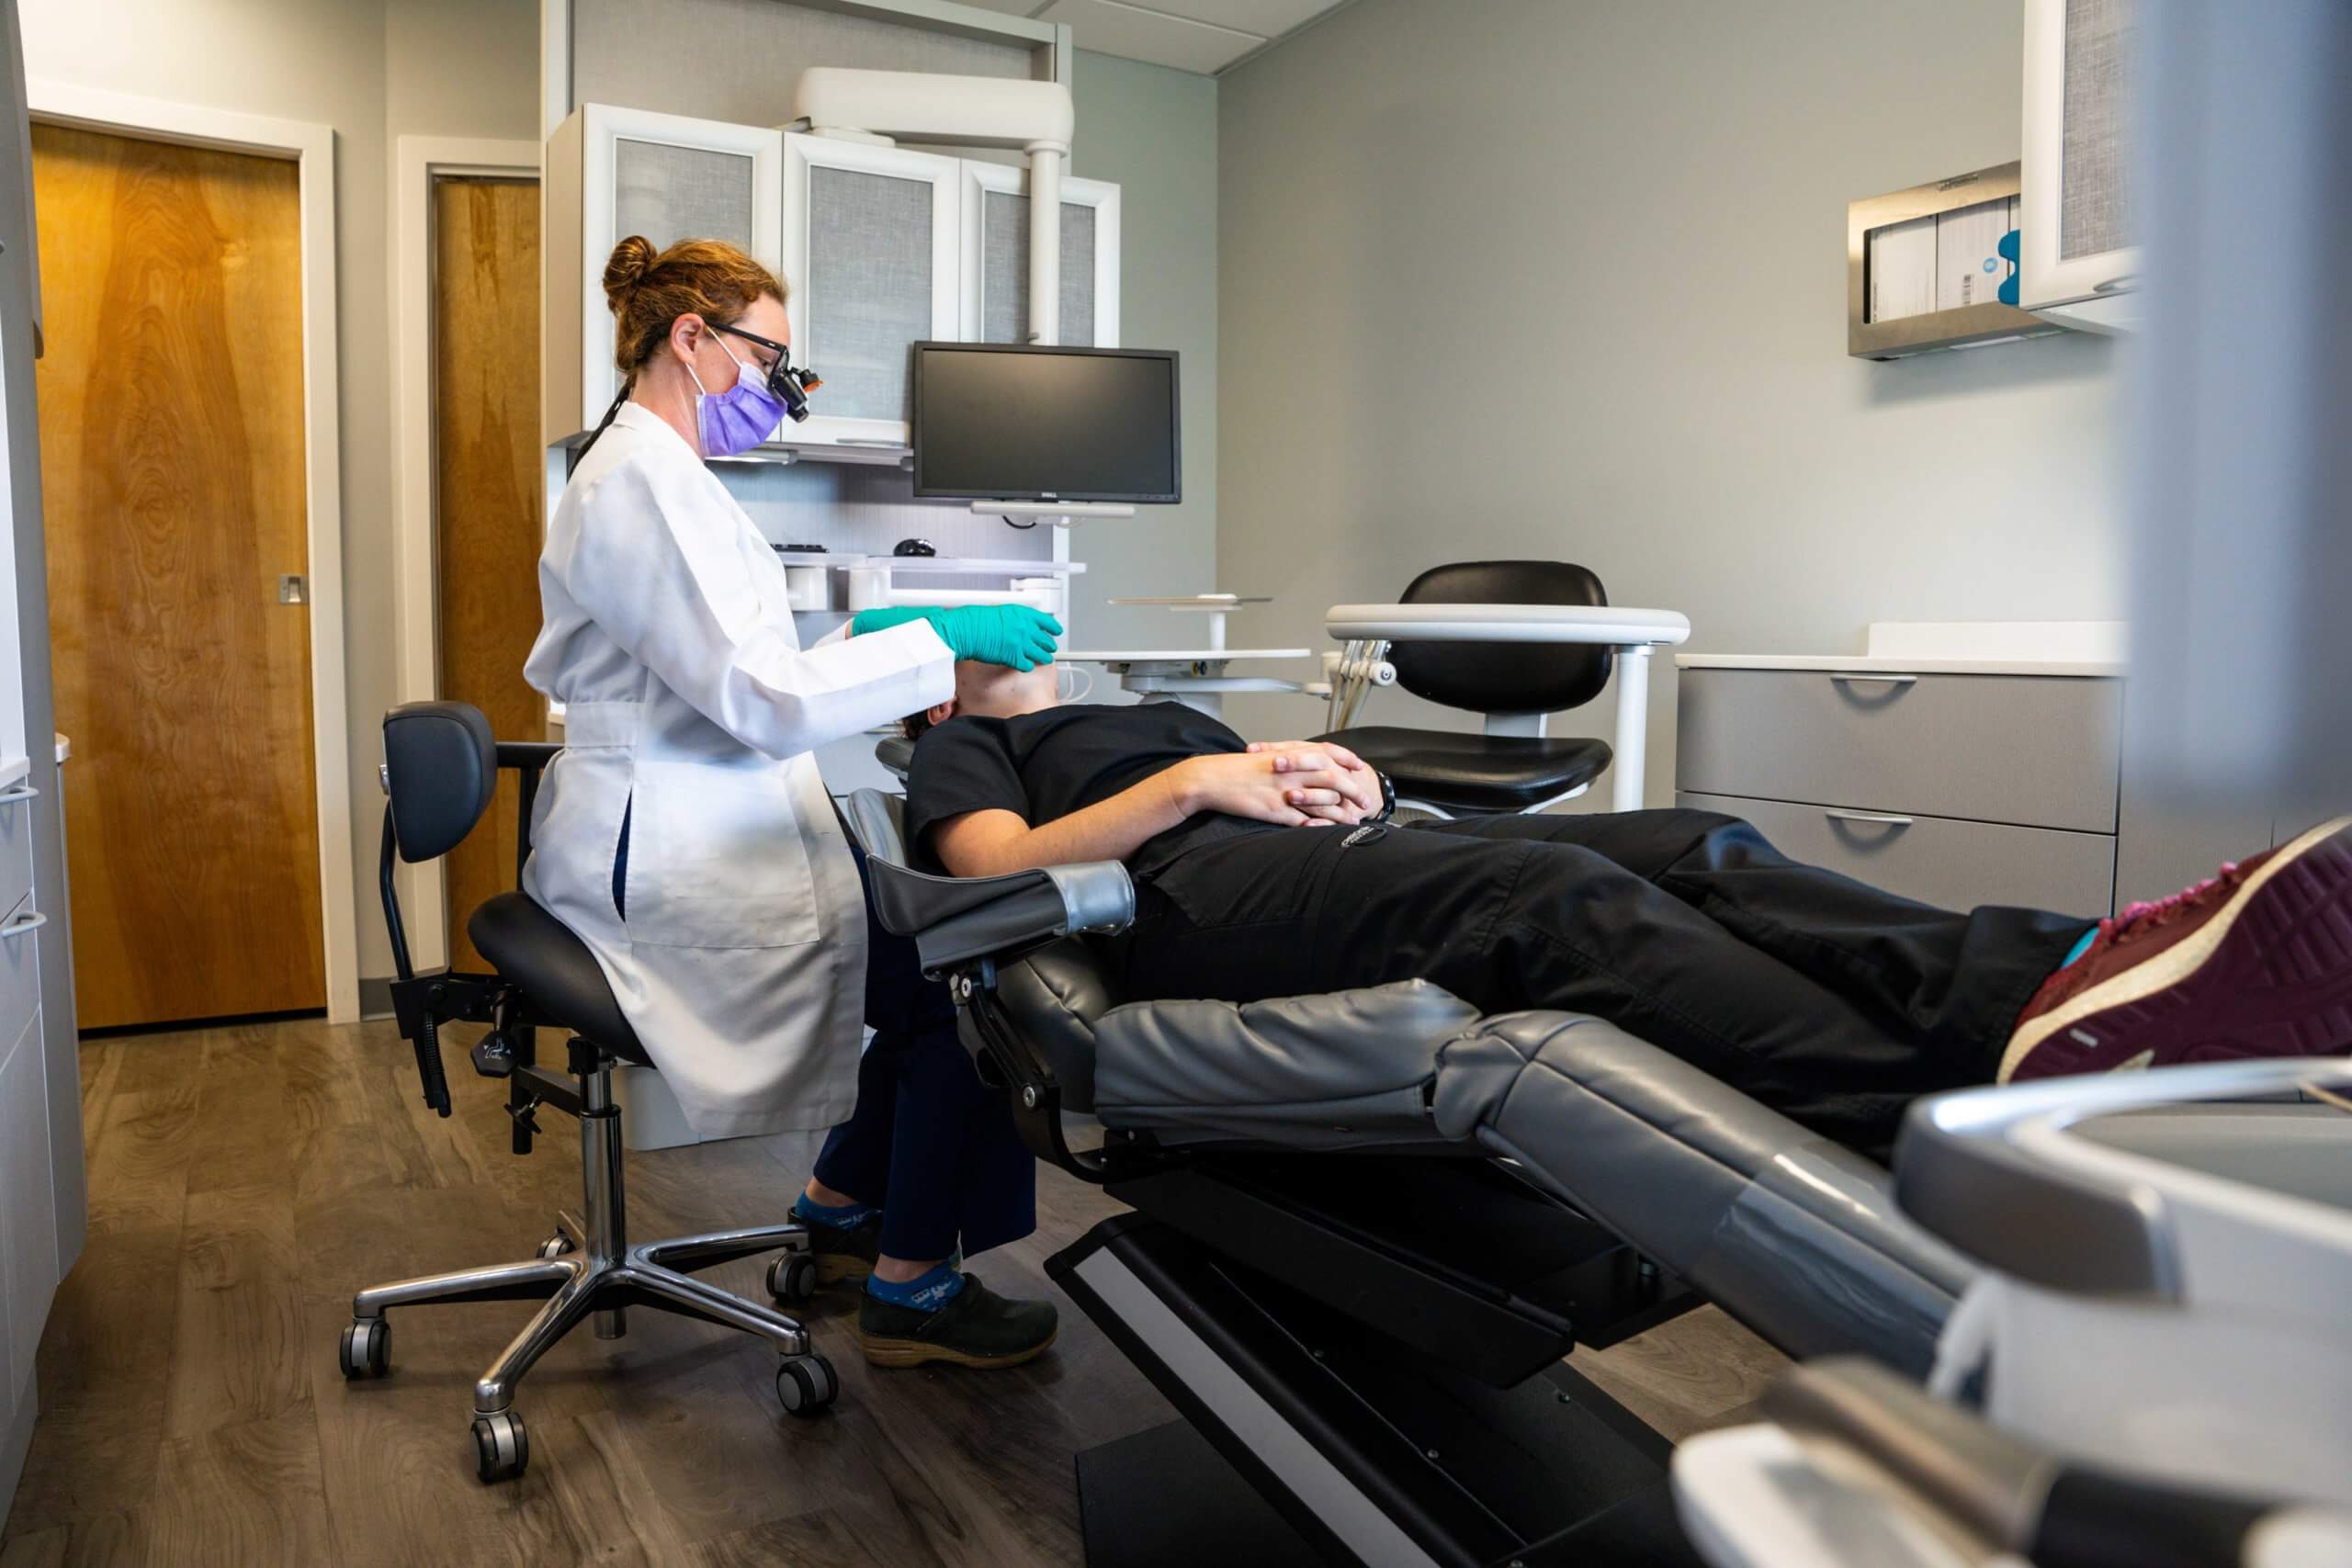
(1012,635)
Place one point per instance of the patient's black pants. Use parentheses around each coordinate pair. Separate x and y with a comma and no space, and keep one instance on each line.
(1827,999)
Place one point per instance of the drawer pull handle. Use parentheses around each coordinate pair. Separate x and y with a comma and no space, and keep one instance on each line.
(31,920)
(15,793)
(1881,818)
(1883,680)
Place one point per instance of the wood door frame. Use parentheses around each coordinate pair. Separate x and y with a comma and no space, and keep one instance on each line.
(417,161)
(311,149)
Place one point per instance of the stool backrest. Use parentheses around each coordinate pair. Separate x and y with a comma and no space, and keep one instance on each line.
(1508,677)
(440,773)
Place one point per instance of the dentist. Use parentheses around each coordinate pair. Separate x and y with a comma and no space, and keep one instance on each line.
(683,832)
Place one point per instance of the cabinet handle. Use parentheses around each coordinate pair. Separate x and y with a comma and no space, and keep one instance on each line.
(1883,680)
(31,920)
(15,793)
(1882,819)
(870,441)
(2121,280)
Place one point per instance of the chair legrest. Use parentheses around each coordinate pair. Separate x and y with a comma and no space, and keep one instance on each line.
(440,775)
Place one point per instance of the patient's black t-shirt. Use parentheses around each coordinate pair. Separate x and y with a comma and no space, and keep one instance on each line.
(1046,765)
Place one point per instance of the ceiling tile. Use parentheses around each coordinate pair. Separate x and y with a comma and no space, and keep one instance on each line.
(1267,19)
(1130,31)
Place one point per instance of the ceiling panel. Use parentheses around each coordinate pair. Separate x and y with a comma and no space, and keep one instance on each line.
(1154,36)
(1267,19)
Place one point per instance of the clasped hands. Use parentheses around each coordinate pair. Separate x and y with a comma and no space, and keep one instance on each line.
(1296,784)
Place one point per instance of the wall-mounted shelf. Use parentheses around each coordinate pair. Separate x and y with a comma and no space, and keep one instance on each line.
(1923,268)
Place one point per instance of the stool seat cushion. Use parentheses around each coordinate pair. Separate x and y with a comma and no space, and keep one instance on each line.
(558,976)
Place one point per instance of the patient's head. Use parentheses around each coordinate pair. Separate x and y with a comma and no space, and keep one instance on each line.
(994,691)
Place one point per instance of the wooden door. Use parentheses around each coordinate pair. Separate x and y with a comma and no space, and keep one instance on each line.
(171,462)
(488,508)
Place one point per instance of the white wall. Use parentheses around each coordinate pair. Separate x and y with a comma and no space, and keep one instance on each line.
(1566,279)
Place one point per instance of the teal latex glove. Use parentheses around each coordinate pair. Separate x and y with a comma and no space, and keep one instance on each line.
(1012,635)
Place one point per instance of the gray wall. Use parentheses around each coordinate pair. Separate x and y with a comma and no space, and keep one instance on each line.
(1566,279)
(1154,132)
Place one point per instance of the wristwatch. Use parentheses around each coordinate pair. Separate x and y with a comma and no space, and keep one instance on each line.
(1387,798)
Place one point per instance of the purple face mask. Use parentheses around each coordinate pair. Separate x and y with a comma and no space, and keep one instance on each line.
(739,418)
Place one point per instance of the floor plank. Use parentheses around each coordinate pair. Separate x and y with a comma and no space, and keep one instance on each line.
(245,1181)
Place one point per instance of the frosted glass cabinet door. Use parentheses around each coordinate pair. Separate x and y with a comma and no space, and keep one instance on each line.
(996,258)
(2075,219)
(870,255)
(616,171)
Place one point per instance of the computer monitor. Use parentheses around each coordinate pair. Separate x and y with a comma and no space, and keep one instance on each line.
(1012,422)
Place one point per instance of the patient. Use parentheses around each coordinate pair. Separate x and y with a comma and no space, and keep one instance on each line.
(1258,874)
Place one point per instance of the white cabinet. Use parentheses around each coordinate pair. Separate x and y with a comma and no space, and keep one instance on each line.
(996,258)
(27,1210)
(616,171)
(880,248)
(871,248)
(2077,259)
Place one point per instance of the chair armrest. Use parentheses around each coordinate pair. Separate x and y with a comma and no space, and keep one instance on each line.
(528,755)
(1610,625)
(954,919)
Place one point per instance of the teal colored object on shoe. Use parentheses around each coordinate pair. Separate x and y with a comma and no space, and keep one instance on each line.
(847,1217)
(1011,634)
(926,1292)
(2081,947)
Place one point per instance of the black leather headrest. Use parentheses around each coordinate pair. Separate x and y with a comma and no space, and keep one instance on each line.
(1503,677)
(441,769)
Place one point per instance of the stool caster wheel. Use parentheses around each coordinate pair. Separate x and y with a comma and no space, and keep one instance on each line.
(557,1245)
(793,1277)
(807,1385)
(366,1350)
(502,1449)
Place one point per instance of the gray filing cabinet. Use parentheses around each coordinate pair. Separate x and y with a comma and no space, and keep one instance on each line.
(1956,789)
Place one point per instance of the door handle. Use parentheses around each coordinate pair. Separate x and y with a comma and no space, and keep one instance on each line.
(15,793)
(31,920)
(1880,819)
(1883,680)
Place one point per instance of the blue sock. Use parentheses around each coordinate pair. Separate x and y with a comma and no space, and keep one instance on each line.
(847,1217)
(928,1292)
(2081,947)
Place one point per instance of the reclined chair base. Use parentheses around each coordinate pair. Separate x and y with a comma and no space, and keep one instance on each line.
(1371,1345)
(1364,1448)
(587,1268)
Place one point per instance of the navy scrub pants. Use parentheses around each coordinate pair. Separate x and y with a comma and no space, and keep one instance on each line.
(929,1144)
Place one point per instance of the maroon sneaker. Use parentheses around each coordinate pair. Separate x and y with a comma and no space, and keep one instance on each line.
(2256,962)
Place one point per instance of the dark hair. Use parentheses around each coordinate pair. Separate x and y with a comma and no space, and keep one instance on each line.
(709,278)
(915,725)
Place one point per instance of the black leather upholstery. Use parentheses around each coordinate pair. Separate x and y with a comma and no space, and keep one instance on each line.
(556,973)
(896,754)
(1057,995)
(1510,677)
(441,768)
(1477,773)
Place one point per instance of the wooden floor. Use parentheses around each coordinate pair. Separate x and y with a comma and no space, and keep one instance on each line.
(244,1181)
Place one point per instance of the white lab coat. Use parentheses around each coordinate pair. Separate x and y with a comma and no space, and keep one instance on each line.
(691,708)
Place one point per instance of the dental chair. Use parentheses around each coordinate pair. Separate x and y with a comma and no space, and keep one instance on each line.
(1513,641)
(2152,1368)
(440,774)
(1367,1227)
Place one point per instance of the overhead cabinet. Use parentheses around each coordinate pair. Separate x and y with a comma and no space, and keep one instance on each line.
(996,258)
(2078,263)
(880,247)
(615,172)
(871,253)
